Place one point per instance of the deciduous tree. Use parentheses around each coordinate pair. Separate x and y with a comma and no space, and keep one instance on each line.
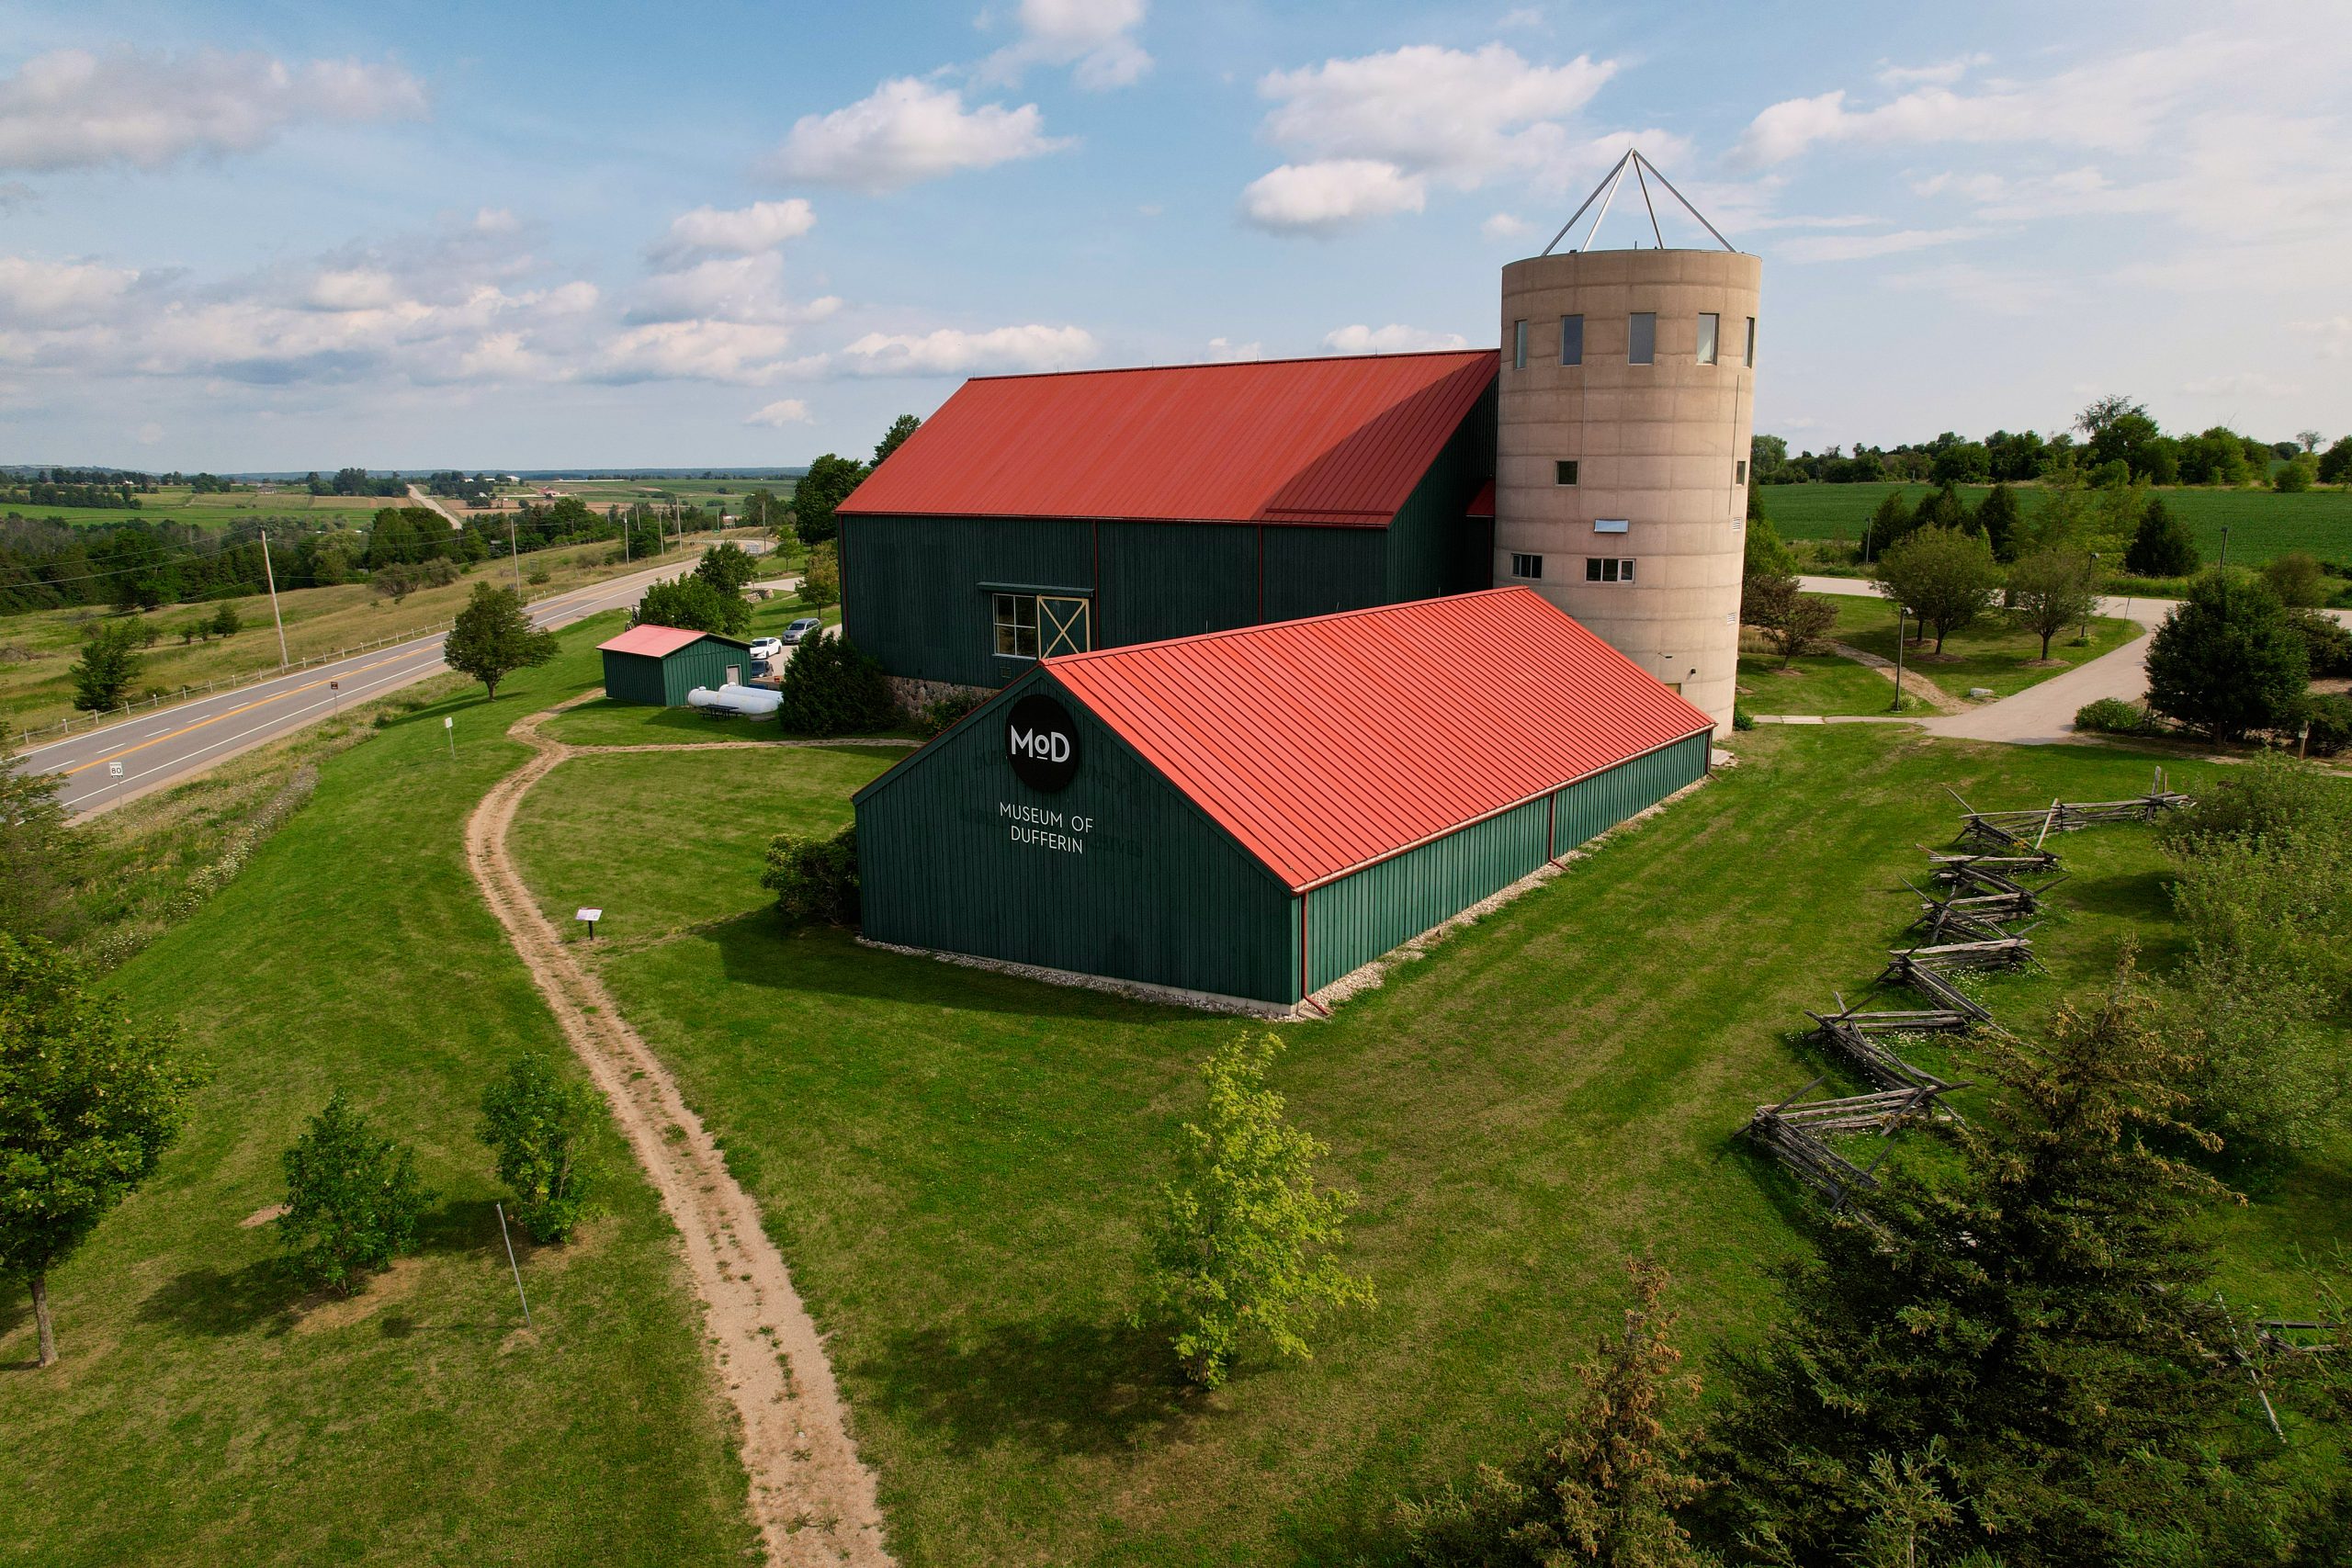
(1793,620)
(108,665)
(827,484)
(906,425)
(353,1199)
(493,637)
(538,1124)
(89,1100)
(1943,575)
(2050,590)
(693,603)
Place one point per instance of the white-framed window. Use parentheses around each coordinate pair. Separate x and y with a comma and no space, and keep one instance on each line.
(1608,569)
(1572,340)
(1710,328)
(1528,567)
(1641,338)
(1016,626)
(1751,343)
(1611,525)
(1564,471)
(1030,625)
(1519,345)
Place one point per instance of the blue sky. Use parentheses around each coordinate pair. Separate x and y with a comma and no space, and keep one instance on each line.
(272,235)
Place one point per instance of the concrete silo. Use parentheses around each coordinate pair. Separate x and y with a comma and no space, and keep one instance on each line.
(1626,402)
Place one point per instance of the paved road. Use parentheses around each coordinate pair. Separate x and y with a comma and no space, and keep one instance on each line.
(174,744)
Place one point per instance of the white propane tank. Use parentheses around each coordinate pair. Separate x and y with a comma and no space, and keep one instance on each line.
(751,701)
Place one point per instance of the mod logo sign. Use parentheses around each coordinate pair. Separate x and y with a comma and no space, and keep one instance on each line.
(1041,741)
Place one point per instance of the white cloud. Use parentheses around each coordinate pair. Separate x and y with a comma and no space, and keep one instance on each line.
(149,434)
(950,352)
(725,289)
(1391,339)
(738,231)
(735,351)
(777,414)
(1323,198)
(1095,37)
(907,130)
(59,294)
(1224,351)
(73,110)
(1504,226)
(1862,247)
(1463,115)
(1942,73)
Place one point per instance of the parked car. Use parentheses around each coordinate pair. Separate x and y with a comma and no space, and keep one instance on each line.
(802,629)
(766,647)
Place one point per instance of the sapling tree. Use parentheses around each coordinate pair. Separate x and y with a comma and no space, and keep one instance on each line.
(1242,1244)
(353,1199)
(493,637)
(1790,619)
(2050,590)
(538,1123)
(90,1098)
(1943,575)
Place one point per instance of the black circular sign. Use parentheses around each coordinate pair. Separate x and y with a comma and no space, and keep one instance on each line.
(1041,742)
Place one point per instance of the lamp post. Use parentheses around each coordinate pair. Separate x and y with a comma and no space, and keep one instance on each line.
(2093,599)
(1902,613)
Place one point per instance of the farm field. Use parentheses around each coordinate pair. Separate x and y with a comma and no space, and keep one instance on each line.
(201,1413)
(2261,523)
(176,504)
(957,1164)
(38,647)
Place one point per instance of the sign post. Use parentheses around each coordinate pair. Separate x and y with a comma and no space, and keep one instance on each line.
(589,918)
(450,727)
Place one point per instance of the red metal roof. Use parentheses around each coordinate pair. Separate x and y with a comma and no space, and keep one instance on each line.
(651,641)
(1326,744)
(1339,440)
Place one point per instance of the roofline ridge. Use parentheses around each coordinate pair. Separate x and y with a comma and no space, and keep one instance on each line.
(1062,660)
(1240,363)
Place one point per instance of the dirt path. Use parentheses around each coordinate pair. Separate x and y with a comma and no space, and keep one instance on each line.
(811,1496)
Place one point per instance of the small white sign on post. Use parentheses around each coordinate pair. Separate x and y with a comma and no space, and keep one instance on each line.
(590,917)
(450,727)
(114,769)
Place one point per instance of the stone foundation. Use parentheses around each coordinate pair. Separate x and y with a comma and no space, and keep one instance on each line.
(912,695)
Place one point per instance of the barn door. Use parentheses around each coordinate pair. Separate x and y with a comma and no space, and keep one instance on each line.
(1062,625)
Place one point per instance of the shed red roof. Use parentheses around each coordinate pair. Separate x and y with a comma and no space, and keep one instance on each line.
(650,641)
(1326,744)
(1339,440)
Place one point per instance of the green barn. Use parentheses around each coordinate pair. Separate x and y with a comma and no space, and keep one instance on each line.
(1037,516)
(1254,815)
(658,665)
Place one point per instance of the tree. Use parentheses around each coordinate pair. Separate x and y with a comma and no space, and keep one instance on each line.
(2227,659)
(493,637)
(2307,440)
(41,856)
(353,1199)
(831,688)
(692,603)
(2299,579)
(2335,467)
(1768,458)
(2117,430)
(1889,523)
(1606,1490)
(762,510)
(1243,1240)
(2162,546)
(820,580)
(2296,475)
(108,665)
(1942,510)
(814,878)
(2051,591)
(538,1123)
(1963,462)
(1763,551)
(728,567)
(1943,575)
(827,484)
(2035,1299)
(906,425)
(1999,519)
(226,622)
(89,1101)
(1790,618)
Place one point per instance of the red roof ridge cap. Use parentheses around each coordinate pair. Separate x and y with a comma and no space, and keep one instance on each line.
(1240,364)
(1057,660)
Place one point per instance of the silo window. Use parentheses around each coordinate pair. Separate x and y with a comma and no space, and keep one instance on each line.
(1529,567)
(1641,338)
(1751,343)
(1710,326)
(1016,626)
(1740,472)
(1572,340)
(1564,471)
(1519,345)
(1606,568)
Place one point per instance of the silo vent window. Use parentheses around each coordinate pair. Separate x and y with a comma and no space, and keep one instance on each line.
(1641,338)
(1751,343)
(1605,568)
(1612,525)
(1710,328)
(1564,471)
(1529,567)
(1572,340)
(1740,472)
(1519,345)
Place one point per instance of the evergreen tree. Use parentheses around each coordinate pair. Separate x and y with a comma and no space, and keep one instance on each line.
(2161,546)
(1889,523)
(2228,660)
(829,688)
(108,665)
(1999,520)
(1943,509)
(2036,1304)
(1766,555)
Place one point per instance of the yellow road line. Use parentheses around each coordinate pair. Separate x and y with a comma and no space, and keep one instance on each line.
(231,713)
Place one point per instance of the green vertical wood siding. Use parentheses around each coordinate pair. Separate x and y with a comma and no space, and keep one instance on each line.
(1593,806)
(911,593)
(633,678)
(1354,920)
(1161,894)
(1164,579)
(1433,548)
(664,681)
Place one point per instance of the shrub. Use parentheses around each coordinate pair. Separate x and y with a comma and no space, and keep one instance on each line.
(2113,716)
(2329,716)
(941,713)
(353,1199)
(2327,643)
(814,878)
(1741,718)
(1243,1239)
(829,688)
(536,1121)
(2295,475)
(2227,659)
(2297,579)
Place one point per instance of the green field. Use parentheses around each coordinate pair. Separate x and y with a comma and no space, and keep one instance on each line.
(2261,523)
(220,510)
(203,1413)
(1817,682)
(957,1163)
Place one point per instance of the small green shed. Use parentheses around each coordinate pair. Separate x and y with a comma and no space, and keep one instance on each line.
(658,665)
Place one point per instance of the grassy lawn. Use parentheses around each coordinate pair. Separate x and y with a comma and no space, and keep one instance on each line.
(1817,682)
(1992,653)
(957,1164)
(201,1414)
(2262,524)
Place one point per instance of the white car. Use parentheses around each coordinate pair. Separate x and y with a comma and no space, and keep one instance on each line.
(766,647)
(800,631)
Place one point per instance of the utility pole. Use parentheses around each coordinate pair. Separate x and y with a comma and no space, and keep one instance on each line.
(514,554)
(1902,613)
(270,576)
